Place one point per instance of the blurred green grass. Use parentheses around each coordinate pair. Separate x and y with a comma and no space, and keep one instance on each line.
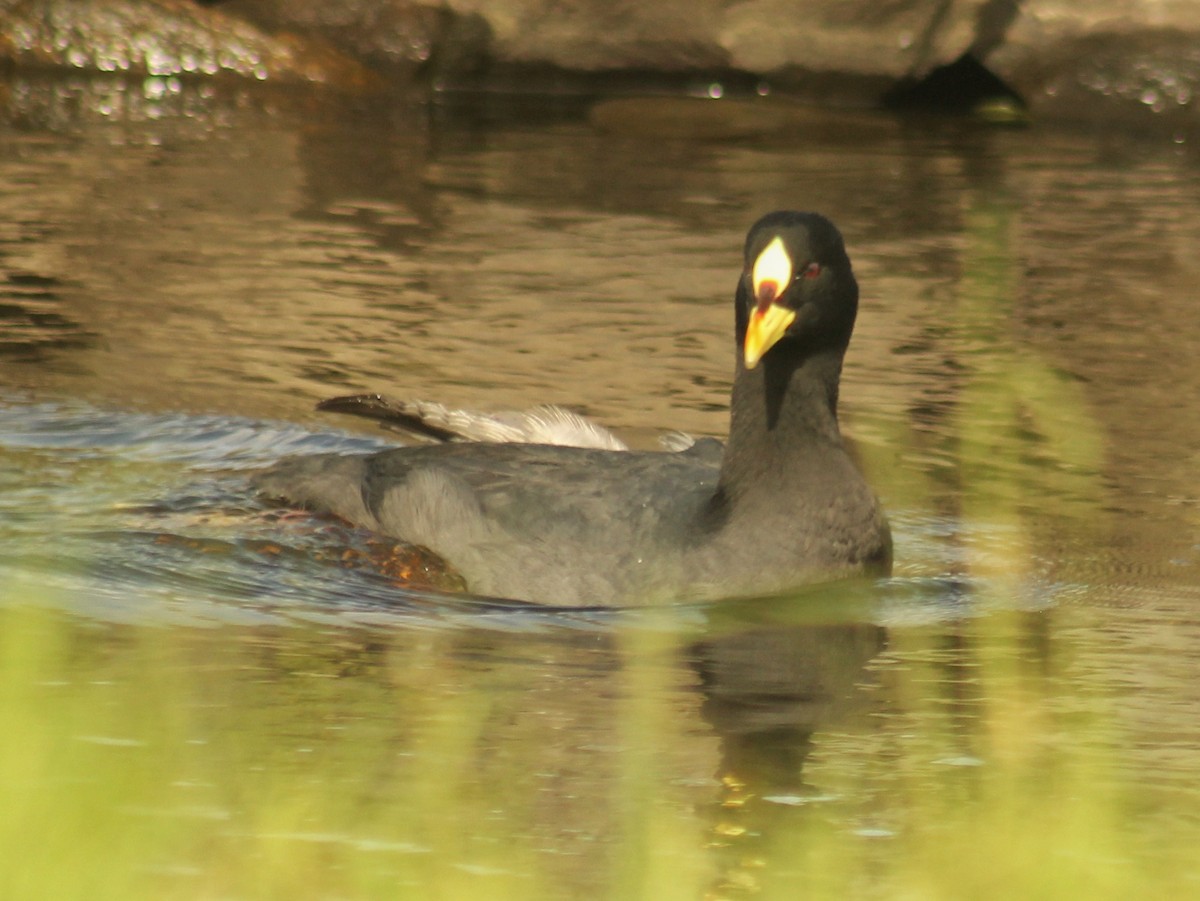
(143,762)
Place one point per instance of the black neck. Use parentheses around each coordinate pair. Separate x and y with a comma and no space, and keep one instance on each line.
(784,405)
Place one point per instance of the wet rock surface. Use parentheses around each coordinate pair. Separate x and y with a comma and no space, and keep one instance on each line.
(167,38)
(1114,60)
(1118,71)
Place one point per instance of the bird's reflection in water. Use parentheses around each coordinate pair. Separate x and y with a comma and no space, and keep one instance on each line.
(766,692)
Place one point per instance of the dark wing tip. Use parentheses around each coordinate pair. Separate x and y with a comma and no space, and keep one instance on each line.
(397,414)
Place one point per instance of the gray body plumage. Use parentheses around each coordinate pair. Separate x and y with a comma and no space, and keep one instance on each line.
(573,526)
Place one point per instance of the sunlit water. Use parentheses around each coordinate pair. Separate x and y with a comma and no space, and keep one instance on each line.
(180,289)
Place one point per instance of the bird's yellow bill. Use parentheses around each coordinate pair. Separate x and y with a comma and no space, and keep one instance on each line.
(766,326)
(769,278)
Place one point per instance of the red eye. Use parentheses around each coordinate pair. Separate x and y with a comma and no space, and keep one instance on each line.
(812,270)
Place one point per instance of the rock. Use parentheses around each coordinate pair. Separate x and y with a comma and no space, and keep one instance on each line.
(1105,60)
(851,49)
(162,38)
(406,35)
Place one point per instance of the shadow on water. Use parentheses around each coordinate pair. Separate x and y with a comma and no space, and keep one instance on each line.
(766,693)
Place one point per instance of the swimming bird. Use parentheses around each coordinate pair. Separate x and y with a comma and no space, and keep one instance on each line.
(780,504)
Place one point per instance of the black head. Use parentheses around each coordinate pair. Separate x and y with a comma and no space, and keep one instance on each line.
(797,293)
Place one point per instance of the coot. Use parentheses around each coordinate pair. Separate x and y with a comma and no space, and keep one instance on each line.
(781,504)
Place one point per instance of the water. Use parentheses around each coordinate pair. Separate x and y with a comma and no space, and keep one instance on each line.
(246,704)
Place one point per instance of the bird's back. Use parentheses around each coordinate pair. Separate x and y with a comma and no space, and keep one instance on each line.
(534,522)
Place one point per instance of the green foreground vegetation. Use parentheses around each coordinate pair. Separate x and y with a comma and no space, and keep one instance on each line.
(299,762)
